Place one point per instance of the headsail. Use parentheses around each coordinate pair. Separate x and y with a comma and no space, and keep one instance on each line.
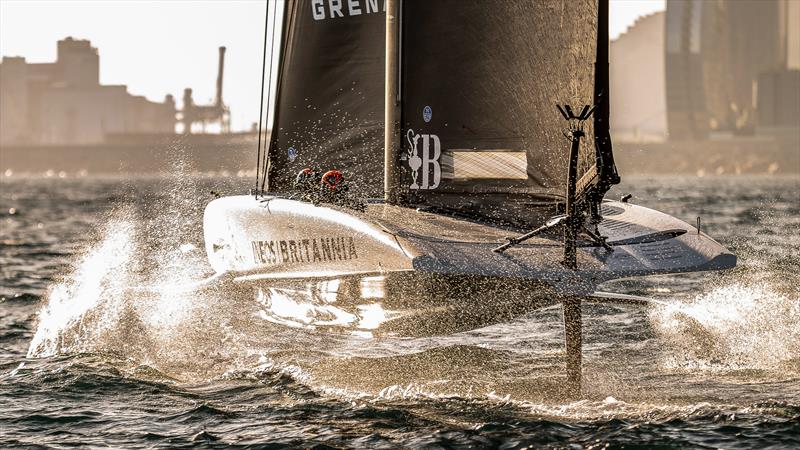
(329,107)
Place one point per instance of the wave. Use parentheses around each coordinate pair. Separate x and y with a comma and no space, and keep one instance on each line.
(737,326)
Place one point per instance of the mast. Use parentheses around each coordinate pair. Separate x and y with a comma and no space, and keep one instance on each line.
(390,182)
(273,103)
(602,101)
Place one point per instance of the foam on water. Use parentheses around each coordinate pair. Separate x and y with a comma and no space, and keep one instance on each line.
(100,276)
(121,296)
(738,326)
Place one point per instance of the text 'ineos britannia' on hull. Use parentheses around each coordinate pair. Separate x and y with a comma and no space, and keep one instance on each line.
(304,250)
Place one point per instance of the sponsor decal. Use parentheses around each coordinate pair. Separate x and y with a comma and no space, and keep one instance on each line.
(292,154)
(426,161)
(427,114)
(335,9)
(304,250)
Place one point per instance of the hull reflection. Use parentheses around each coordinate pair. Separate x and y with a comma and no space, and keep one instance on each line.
(405,305)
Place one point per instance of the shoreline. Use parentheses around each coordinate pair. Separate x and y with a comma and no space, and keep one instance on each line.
(236,155)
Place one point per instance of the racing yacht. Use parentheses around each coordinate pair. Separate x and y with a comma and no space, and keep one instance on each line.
(440,166)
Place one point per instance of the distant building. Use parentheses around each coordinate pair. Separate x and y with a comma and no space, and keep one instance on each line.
(63,103)
(638,103)
(777,92)
(715,53)
(705,65)
(778,100)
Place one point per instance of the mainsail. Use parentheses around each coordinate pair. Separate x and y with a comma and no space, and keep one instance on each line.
(481,81)
(479,84)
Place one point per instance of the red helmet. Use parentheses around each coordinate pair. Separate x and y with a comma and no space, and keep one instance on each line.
(333,180)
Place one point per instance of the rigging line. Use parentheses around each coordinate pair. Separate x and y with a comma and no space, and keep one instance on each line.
(261,109)
(265,175)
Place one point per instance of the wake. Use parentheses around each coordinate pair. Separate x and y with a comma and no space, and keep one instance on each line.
(738,326)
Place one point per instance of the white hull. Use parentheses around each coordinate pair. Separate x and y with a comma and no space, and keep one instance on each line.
(393,269)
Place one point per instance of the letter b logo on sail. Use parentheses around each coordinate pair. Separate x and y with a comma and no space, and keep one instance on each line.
(431,169)
(427,162)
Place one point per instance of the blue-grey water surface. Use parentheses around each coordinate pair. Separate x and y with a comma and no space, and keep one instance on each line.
(89,357)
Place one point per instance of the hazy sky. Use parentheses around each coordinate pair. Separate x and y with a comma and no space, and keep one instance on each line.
(161,47)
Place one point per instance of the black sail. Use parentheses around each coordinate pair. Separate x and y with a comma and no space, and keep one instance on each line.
(329,106)
(480,81)
(479,84)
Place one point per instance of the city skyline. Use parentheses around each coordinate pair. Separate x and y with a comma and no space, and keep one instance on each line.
(160,48)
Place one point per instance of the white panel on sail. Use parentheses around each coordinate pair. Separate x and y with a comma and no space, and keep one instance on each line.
(489,164)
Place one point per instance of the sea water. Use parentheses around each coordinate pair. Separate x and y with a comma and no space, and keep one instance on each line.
(98,348)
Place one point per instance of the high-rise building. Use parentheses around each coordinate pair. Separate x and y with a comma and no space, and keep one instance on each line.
(638,106)
(714,55)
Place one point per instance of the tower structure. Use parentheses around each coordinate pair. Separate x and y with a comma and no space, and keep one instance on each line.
(217,112)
